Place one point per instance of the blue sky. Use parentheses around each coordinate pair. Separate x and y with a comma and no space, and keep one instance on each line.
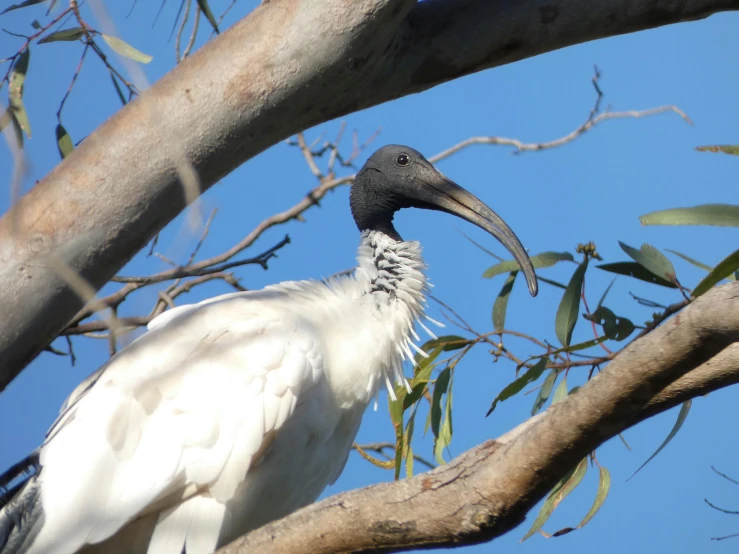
(592,189)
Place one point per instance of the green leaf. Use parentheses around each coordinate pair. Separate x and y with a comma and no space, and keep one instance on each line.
(569,306)
(445,435)
(690,260)
(66,35)
(448,343)
(723,270)
(501,302)
(652,259)
(21,5)
(725,148)
(408,448)
(440,388)
(679,423)
(63,141)
(637,271)
(705,214)
(560,392)
(544,391)
(125,49)
(604,485)
(560,491)
(15,91)
(579,346)
(614,327)
(531,375)
(545,259)
(205,8)
(117,88)
(605,293)
(551,282)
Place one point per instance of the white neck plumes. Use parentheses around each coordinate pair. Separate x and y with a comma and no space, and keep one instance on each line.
(391,274)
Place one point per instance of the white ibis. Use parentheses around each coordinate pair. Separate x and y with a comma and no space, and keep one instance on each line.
(238,410)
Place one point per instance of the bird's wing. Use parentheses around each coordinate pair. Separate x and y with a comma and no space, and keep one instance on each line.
(181,411)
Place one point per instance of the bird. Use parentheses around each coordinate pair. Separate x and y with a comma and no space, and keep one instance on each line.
(236,411)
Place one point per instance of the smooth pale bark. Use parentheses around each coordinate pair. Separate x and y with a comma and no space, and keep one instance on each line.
(289,65)
(488,490)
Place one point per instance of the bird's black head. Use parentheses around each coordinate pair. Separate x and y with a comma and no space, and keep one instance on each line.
(397,177)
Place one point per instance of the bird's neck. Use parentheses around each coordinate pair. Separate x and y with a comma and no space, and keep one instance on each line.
(392,271)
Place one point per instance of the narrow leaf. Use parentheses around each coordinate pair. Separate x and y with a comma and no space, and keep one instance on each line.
(637,271)
(652,259)
(501,302)
(604,485)
(63,141)
(125,49)
(705,214)
(723,270)
(448,343)
(579,346)
(560,392)
(605,293)
(445,435)
(545,259)
(551,282)
(15,91)
(690,260)
(409,449)
(679,423)
(440,388)
(544,391)
(117,88)
(725,148)
(64,35)
(531,375)
(21,5)
(205,8)
(569,306)
(560,491)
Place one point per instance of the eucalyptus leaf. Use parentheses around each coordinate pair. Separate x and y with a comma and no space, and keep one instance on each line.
(545,259)
(118,88)
(501,302)
(440,388)
(447,343)
(529,376)
(651,259)
(560,491)
(684,409)
(544,391)
(560,393)
(64,35)
(690,260)
(15,91)
(21,5)
(723,270)
(637,271)
(724,148)
(205,8)
(604,485)
(125,49)
(63,141)
(705,214)
(569,307)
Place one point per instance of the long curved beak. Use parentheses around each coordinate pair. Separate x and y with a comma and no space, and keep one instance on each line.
(451,198)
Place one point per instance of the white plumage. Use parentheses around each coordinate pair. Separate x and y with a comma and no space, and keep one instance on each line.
(228,413)
(236,411)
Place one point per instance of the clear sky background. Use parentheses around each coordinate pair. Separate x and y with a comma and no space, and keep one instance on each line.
(592,189)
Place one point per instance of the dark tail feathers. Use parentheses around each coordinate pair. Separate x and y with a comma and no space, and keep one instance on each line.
(21,514)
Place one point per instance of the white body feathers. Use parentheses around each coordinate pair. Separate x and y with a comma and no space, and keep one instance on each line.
(227,414)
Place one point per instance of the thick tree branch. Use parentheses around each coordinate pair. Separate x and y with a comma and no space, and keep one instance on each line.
(291,65)
(488,490)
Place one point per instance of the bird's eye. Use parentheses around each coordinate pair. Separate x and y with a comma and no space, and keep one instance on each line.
(402,160)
